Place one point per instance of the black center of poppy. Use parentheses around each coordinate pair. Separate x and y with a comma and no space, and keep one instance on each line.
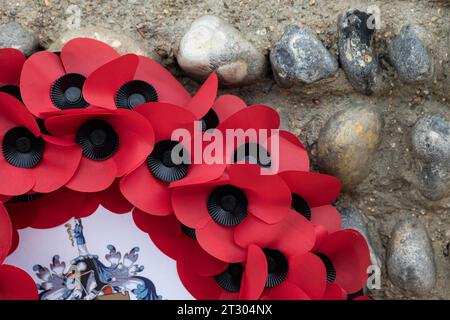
(210,120)
(230,280)
(331,271)
(252,153)
(277,267)
(227,205)
(301,206)
(161,165)
(24,198)
(12,90)
(98,139)
(188,231)
(134,93)
(66,92)
(21,148)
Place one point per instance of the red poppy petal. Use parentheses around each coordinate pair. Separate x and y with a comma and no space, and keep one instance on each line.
(146,192)
(321,235)
(14,181)
(227,105)
(84,55)
(21,214)
(334,292)
(16,284)
(255,274)
(200,173)
(165,233)
(201,288)
(287,155)
(15,114)
(203,100)
(175,117)
(168,88)
(14,242)
(113,200)
(56,168)
(11,62)
(308,273)
(253,117)
(6,233)
(363,298)
(53,209)
(326,216)
(225,295)
(218,241)
(205,264)
(89,205)
(287,291)
(93,176)
(38,75)
(101,86)
(316,188)
(268,195)
(136,140)
(293,235)
(349,253)
(189,204)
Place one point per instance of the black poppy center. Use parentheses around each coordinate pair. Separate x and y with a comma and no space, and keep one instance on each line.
(12,90)
(210,120)
(66,92)
(252,153)
(301,206)
(21,148)
(188,231)
(230,280)
(227,205)
(161,164)
(277,267)
(134,93)
(331,271)
(98,139)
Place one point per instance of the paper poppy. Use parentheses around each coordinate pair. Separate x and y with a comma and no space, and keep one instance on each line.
(215,208)
(345,255)
(148,187)
(178,242)
(11,63)
(50,82)
(31,161)
(312,195)
(16,284)
(111,199)
(6,233)
(112,144)
(132,80)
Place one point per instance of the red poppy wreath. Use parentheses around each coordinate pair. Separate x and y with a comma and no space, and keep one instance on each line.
(88,127)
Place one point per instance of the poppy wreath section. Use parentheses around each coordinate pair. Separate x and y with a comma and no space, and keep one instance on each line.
(87,127)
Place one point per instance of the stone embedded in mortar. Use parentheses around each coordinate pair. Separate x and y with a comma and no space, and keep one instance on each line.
(348,143)
(299,57)
(410,55)
(410,259)
(430,139)
(121,42)
(212,44)
(352,219)
(356,51)
(14,35)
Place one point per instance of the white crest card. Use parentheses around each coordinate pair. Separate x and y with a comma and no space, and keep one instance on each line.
(103,256)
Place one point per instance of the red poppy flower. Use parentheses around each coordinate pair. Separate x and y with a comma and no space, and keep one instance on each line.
(51,82)
(235,281)
(112,143)
(132,80)
(31,161)
(16,284)
(112,199)
(345,255)
(6,233)
(178,242)
(42,211)
(215,208)
(147,187)
(312,195)
(11,62)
